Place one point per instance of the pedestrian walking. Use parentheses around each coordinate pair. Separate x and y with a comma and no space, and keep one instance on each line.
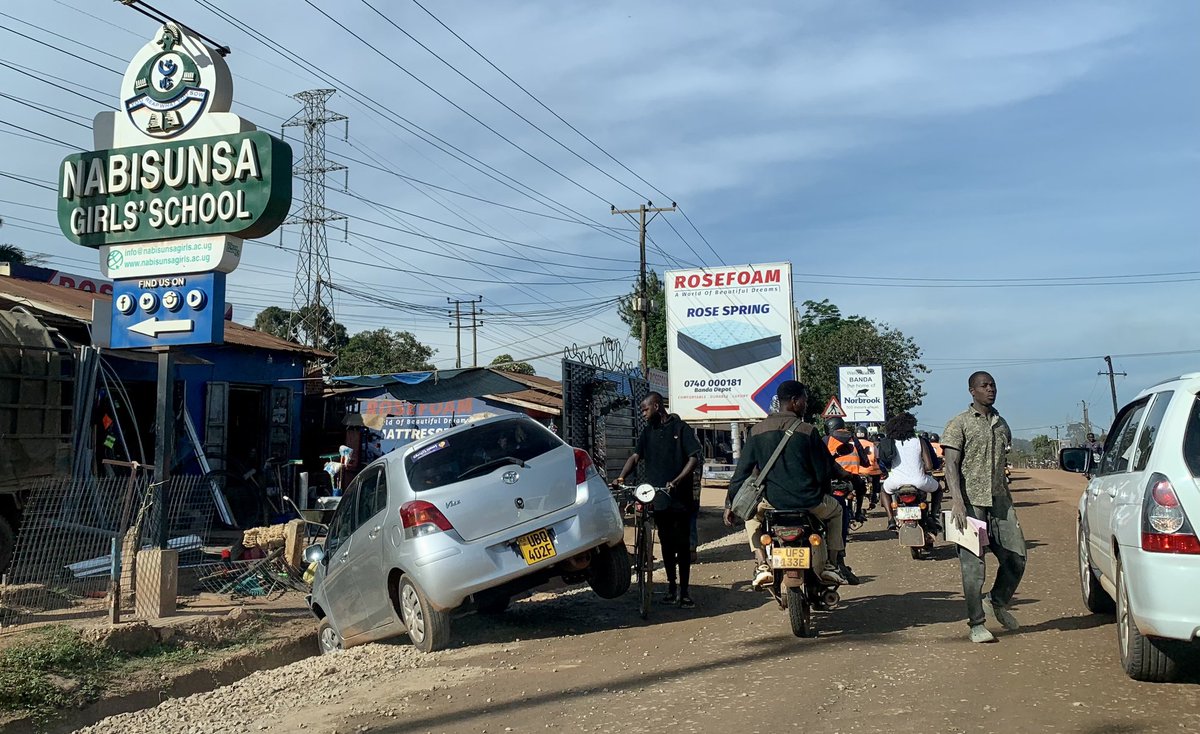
(975,445)
(670,453)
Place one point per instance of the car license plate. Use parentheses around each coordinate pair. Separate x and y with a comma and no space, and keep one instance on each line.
(908,513)
(789,557)
(536,547)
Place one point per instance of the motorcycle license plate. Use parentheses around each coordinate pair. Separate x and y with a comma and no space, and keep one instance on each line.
(908,513)
(789,557)
(536,547)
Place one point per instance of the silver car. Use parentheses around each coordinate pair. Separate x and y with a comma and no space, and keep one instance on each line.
(1137,528)
(458,522)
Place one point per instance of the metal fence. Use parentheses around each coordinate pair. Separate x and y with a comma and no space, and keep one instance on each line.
(78,540)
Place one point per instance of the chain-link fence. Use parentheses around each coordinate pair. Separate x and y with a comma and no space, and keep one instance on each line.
(78,541)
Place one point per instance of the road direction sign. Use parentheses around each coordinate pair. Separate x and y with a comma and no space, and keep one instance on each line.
(833,409)
(861,390)
(169,311)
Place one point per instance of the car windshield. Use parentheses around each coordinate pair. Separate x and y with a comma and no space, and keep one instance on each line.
(1191,440)
(477,451)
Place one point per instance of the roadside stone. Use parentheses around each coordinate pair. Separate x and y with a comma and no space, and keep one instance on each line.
(66,685)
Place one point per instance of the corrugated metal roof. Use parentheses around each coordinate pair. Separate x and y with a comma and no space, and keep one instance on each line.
(77,305)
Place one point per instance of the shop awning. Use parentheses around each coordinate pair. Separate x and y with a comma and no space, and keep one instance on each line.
(437,386)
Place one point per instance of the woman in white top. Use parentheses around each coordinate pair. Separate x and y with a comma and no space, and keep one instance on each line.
(906,457)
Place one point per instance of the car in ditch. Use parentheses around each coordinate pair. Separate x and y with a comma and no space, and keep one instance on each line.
(458,522)
(1138,550)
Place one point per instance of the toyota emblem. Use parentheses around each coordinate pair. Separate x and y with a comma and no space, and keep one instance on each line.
(520,503)
(511,477)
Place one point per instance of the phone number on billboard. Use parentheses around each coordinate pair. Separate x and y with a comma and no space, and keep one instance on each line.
(712,383)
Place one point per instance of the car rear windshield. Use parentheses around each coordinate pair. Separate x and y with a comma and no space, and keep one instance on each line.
(1191,440)
(477,451)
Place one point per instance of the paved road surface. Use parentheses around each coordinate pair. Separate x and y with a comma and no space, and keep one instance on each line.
(893,658)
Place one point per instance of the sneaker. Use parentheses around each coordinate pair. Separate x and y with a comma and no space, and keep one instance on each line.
(685,602)
(860,517)
(669,598)
(979,633)
(831,575)
(849,575)
(762,576)
(891,526)
(1003,617)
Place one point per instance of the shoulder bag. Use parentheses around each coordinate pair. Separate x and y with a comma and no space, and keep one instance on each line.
(745,502)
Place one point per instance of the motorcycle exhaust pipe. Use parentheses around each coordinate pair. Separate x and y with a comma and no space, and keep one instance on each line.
(830,598)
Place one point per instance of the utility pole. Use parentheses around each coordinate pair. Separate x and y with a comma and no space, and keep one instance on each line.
(1112,383)
(641,304)
(1087,424)
(309,307)
(458,327)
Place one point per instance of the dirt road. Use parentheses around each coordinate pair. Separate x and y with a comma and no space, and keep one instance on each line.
(892,658)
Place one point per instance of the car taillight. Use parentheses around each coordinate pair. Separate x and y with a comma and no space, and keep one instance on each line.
(422,518)
(584,467)
(1165,525)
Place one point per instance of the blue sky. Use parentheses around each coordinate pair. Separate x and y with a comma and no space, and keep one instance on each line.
(975,143)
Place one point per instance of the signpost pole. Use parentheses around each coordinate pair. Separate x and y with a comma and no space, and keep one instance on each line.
(164,441)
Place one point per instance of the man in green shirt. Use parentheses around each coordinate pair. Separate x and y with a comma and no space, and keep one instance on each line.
(975,444)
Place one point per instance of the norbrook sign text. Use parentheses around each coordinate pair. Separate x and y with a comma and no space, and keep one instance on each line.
(238,185)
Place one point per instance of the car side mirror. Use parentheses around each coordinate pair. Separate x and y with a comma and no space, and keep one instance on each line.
(1075,460)
(844,449)
(314,553)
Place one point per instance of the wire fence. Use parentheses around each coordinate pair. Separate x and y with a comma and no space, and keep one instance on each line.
(78,541)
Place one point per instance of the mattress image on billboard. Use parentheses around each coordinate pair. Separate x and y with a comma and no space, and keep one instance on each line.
(725,345)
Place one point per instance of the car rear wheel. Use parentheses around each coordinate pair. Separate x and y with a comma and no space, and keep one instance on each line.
(1095,598)
(328,639)
(1144,658)
(611,572)
(428,628)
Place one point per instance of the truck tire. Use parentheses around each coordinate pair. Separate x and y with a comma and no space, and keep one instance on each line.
(8,543)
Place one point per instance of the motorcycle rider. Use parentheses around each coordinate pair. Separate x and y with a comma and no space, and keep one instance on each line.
(908,461)
(854,463)
(799,480)
(871,473)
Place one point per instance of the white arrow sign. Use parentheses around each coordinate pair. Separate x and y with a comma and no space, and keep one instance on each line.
(153,327)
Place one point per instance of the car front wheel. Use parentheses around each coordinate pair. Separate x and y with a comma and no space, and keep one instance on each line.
(328,638)
(428,628)
(1095,598)
(1144,658)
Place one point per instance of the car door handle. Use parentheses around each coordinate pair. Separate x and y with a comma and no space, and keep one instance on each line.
(374,532)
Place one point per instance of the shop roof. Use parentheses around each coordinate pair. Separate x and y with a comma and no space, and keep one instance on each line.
(76,305)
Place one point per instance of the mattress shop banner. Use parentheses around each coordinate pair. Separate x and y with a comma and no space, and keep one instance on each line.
(730,340)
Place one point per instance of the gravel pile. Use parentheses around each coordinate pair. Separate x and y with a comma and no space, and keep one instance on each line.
(277,699)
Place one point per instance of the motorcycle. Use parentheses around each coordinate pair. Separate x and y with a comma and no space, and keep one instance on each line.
(795,545)
(914,520)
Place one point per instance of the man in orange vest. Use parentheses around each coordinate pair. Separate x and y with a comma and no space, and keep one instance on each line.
(871,473)
(856,463)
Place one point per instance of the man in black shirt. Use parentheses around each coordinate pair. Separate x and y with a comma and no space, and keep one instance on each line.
(670,452)
(799,479)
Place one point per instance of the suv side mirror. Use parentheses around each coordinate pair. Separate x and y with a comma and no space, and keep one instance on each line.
(314,553)
(1075,460)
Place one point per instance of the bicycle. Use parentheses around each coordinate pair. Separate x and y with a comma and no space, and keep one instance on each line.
(643,540)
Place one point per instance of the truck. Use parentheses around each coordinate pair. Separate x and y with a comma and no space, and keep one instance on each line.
(36,415)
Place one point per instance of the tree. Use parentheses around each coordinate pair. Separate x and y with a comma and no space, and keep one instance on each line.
(656,349)
(826,340)
(288,325)
(1044,448)
(16,256)
(383,351)
(505,363)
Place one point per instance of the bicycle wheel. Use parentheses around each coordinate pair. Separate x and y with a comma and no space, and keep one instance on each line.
(645,566)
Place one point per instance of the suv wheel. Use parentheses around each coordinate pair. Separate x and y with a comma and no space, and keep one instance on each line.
(611,571)
(1144,658)
(1095,598)
(428,628)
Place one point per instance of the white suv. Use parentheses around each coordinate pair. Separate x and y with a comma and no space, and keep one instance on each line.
(1137,541)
